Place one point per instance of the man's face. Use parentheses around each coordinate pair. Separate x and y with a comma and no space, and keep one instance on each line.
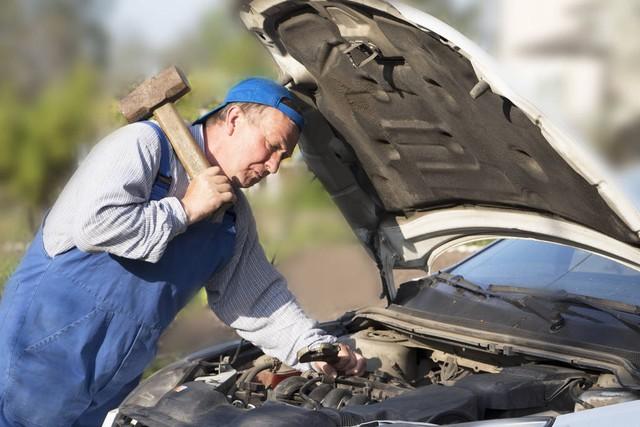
(256,147)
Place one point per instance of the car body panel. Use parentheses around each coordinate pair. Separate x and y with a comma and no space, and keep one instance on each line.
(495,338)
(422,238)
(613,416)
(408,123)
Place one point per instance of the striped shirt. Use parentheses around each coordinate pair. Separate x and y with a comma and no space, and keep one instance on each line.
(105,206)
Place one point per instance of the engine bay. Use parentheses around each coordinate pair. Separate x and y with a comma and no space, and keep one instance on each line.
(408,378)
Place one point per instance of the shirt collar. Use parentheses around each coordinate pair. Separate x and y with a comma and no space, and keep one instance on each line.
(198,134)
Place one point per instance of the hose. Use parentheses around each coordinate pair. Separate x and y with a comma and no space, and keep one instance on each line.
(305,388)
(249,375)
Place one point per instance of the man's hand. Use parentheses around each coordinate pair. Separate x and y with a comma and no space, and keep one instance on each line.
(349,362)
(206,193)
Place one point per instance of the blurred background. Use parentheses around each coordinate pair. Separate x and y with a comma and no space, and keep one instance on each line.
(65,63)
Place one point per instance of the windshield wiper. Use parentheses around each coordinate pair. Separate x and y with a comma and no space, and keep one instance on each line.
(460,282)
(554,318)
(612,308)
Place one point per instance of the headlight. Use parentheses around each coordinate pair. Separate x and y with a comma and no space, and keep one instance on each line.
(153,388)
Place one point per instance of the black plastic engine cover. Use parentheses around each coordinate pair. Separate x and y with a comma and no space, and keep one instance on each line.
(197,404)
(522,387)
(434,403)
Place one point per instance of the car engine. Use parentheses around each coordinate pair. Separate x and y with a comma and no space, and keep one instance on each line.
(408,378)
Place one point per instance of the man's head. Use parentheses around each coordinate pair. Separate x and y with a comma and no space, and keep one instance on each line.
(252,131)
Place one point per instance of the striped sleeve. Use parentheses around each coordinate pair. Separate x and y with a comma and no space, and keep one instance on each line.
(113,213)
(251,296)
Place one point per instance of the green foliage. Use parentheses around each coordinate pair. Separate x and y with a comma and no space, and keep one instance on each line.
(38,141)
(222,46)
(8,264)
(219,54)
(10,133)
(14,232)
(42,40)
(300,215)
(50,55)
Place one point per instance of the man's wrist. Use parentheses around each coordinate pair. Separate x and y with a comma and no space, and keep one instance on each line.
(188,215)
(179,218)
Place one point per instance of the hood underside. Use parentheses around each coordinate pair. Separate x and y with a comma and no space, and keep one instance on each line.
(404,122)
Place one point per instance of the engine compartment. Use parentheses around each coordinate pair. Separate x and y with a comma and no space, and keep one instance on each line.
(408,378)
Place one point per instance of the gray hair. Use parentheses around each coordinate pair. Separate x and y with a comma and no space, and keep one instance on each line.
(251,109)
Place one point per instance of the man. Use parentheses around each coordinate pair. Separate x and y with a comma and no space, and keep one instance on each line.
(129,241)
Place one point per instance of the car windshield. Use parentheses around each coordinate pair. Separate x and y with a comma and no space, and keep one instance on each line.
(549,266)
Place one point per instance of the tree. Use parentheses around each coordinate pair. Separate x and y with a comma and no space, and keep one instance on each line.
(49,95)
(220,53)
(44,39)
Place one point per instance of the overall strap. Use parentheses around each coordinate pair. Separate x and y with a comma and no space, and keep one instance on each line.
(163,180)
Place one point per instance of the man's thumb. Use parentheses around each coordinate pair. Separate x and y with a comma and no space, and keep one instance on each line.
(326,369)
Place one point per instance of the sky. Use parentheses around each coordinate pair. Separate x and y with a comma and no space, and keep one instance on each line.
(155,23)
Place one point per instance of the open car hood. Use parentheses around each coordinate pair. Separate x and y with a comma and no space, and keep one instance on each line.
(422,146)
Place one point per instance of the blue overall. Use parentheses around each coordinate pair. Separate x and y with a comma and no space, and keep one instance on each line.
(78,329)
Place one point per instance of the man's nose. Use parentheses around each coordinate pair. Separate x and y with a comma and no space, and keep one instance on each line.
(273,164)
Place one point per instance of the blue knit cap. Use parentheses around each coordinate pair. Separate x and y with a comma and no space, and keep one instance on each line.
(259,91)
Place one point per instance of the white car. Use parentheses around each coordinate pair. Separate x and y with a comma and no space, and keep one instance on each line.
(423,147)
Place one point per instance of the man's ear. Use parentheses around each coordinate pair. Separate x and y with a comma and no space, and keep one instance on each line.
(231,120)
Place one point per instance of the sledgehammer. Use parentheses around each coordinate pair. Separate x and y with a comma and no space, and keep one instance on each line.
(155,97)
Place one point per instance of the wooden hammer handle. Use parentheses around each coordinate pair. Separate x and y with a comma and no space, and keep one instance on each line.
(189,153)
(186,148)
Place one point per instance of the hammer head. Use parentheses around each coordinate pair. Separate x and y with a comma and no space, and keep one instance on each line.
(167,86)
